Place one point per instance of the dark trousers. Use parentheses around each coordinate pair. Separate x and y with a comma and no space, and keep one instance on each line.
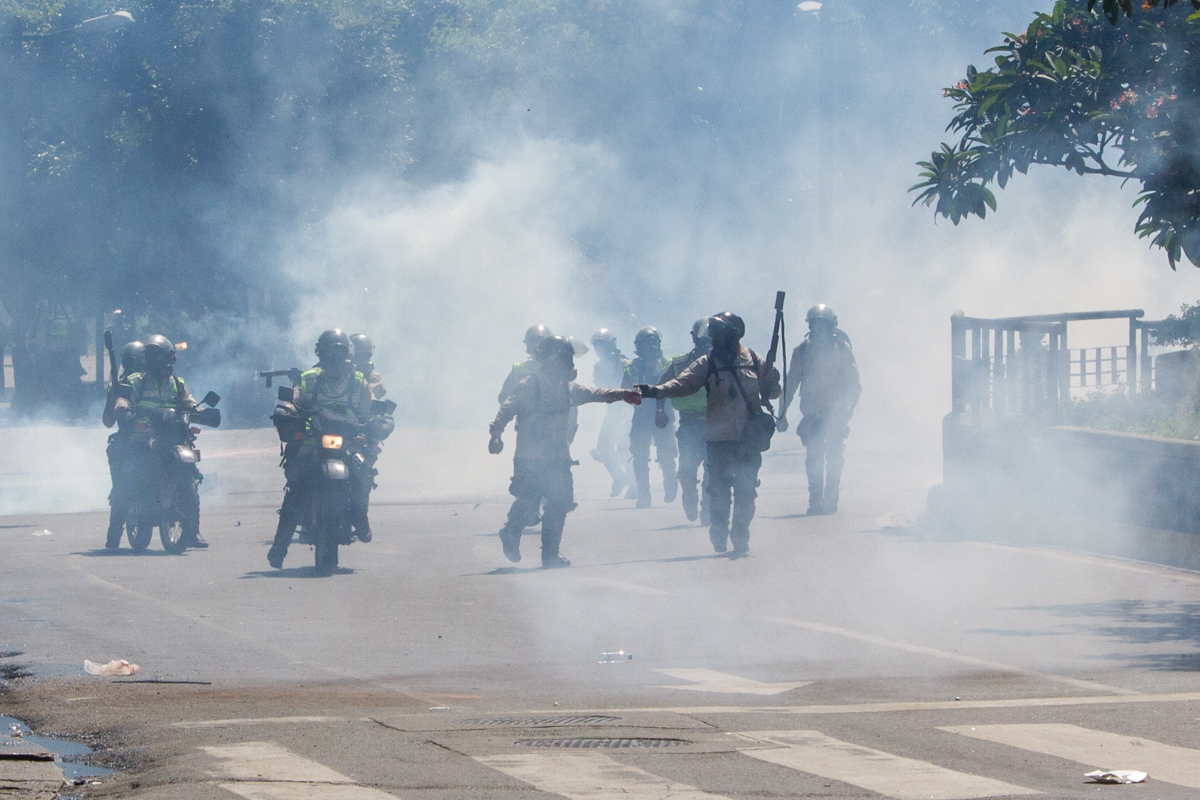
(732,482)
(641,434)
(824,441)
(692,452)
(534,481)
(126,462)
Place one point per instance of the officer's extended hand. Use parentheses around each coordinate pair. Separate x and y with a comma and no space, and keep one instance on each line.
(495,445)
(781,424)
(633,397)
(661,419)
(648,391)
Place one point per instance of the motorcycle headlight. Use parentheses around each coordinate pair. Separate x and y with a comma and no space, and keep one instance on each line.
(331,441)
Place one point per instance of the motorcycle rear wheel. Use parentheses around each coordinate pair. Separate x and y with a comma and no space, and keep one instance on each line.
(180,524)
(138,528)
(327,513)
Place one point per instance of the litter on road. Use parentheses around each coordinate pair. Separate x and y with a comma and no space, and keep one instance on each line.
(1116,776)
(118,666)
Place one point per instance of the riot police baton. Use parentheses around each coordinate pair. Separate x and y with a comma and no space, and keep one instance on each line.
(778,336)
(112,359)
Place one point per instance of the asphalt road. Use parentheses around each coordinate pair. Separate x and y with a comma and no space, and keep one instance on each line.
(848,656)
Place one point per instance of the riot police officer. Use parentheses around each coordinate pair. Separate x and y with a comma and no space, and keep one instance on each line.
(542,461)
(363,351)
(533,337)
(692,426)
(334,389)
(736,381)
(157,388)
(826,376)
(120,460)
(650,424)
(612,446)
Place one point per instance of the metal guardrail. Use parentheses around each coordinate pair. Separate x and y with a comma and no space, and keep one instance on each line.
(1025,366)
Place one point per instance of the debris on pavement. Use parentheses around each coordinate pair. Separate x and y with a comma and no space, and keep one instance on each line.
(118,666)
(1116,776)
(615,658)
(42,532)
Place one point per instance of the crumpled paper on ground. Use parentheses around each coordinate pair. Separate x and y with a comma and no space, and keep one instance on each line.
(1116,776)
(115,668)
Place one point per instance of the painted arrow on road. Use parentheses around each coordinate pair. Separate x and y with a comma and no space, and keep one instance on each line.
(707,680)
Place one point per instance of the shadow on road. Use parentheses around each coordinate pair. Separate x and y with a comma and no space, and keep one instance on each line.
(293,572)
(1128,622)
(102,552)
(578,567)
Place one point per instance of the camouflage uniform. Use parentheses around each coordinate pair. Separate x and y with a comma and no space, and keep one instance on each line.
(732,469)
(542,460)
(826,375)
(693,425)
(643,431)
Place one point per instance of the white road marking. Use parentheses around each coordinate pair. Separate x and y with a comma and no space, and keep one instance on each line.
(611,583)
(1164,762)
(267,771)
(230,723)
(591,776)
(883,708)
(890,775)
(1112,562)
(707,680)
(267,761)
(959,657)
(253,790)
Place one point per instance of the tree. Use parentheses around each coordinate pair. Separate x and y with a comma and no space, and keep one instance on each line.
(1097,87)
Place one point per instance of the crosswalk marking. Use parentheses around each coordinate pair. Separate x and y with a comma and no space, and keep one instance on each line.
(267,771)
(890,775)
(591,776)
(280,790)
(881,708)
(707,680)
(1164,762)
(908,647)
(240,721)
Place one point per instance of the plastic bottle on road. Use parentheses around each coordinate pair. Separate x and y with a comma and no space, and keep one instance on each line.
(615,658)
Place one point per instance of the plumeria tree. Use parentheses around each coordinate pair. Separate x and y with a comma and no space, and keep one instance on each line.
(1097,87)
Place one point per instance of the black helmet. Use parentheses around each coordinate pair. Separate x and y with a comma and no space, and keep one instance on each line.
(157,351)
(823,313)
(553,348)
(700,331)
(647,337)
(133,357)
(604,336)
(534,335)
(726,329)
(364,348)
(333,347)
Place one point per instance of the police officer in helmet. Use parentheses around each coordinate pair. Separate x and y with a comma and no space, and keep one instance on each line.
(736,381)
(651,423)
(826,376)
(334,390)
(121,461)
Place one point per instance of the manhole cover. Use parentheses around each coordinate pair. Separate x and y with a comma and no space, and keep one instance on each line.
(540,722)
(601,742)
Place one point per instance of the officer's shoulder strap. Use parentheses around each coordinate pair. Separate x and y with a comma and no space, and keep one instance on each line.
(841,337)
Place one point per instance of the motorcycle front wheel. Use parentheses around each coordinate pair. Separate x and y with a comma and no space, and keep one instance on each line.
(328,515)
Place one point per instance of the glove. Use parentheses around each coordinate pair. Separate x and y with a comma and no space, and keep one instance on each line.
(661,419)
(648,391)
(495,445)
(633,398)
(781,424)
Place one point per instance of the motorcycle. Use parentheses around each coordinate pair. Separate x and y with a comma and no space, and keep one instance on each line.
(331,470)
(168,497)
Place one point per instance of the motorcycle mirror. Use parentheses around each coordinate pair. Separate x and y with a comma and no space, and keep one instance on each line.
(285,394)
(211,399)
(384,408)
